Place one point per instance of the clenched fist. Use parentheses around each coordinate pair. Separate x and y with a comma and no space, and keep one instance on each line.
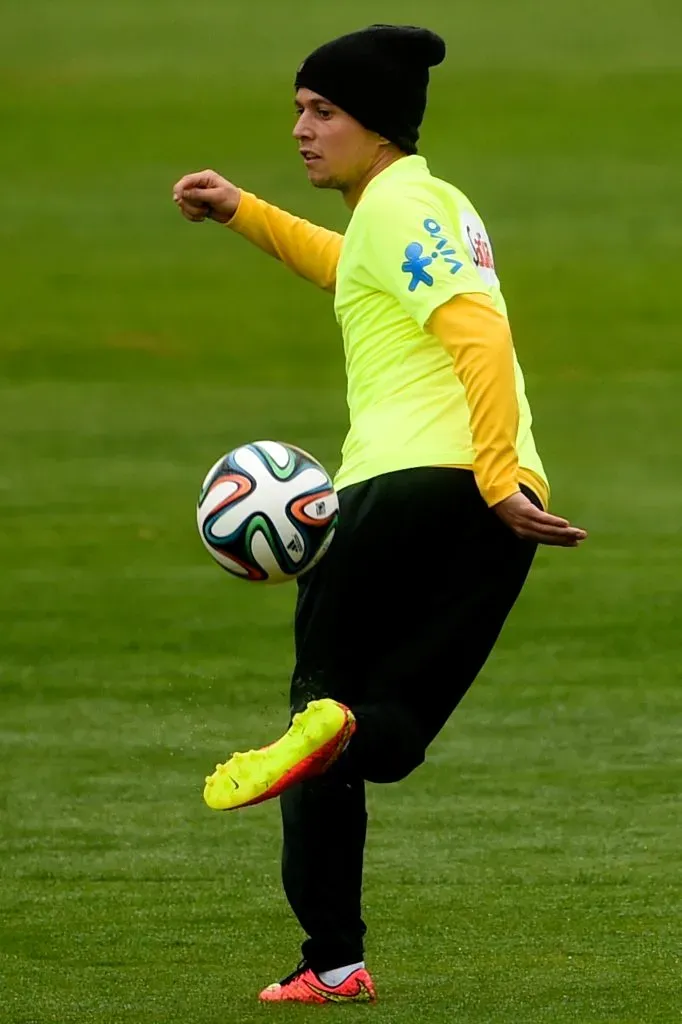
(206,195)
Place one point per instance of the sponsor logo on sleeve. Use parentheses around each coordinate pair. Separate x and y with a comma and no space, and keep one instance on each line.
(480,249)
(416,262)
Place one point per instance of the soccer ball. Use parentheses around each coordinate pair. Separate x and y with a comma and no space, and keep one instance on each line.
(267,511)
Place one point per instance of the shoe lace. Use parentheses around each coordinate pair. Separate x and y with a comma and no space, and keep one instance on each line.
(301,969)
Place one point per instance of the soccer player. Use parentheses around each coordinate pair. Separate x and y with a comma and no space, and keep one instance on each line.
(443,497)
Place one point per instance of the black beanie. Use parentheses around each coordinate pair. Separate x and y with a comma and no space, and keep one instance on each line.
(379,76)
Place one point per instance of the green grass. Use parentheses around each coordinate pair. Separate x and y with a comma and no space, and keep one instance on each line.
(529,872)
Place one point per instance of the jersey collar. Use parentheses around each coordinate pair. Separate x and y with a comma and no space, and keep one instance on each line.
(405,167)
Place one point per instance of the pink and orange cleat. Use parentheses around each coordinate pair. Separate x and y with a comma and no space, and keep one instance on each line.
(304,986)
(316,738)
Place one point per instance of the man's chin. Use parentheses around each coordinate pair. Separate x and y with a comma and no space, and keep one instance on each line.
(318,179)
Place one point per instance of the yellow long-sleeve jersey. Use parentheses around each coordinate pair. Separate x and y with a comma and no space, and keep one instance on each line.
(403,335)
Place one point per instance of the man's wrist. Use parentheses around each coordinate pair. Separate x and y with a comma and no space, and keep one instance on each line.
(493,494)
(241,211)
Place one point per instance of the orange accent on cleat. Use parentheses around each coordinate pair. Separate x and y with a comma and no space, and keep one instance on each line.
(316,763)
(306,987)
(315,740)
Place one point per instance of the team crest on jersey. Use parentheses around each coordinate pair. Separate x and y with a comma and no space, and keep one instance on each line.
(480,249)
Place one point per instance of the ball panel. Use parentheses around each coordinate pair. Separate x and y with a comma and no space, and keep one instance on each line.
(315,509)
(278,453)
(225,490)
(231,563)
(262,547)
(247,459)
(286,546)
(281,468)
(209,476)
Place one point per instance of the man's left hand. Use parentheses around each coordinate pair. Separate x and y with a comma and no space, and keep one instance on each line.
(531,523)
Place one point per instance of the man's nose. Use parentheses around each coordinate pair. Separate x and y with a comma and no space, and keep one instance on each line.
(302,129)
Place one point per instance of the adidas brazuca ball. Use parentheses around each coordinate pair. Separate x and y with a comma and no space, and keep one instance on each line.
(267,511)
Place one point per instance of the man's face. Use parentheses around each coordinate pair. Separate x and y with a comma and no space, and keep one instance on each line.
(336,148)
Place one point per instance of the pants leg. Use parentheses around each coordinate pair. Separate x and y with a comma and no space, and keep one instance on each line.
(324,820)
(325,824)
(396,622)
(444,635)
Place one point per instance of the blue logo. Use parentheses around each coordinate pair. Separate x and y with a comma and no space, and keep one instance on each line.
(416,264)
(442,245)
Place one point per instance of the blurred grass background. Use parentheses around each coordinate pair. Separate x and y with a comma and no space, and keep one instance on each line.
(530,871)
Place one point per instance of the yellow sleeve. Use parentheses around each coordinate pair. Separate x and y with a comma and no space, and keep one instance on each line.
(307,249)
(479,340)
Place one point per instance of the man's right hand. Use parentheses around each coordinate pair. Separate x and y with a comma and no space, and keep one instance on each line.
(205,194)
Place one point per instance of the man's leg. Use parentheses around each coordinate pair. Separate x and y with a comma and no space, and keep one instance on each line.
(395,622)
(443,641)
(324,819)
(420,641)
(324,825)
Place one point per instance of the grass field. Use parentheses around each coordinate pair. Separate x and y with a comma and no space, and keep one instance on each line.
(530,871)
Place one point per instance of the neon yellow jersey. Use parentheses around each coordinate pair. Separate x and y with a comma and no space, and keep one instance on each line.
(413,243)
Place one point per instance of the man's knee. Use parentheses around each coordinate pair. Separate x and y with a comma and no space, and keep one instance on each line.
(392,749)
(394,769)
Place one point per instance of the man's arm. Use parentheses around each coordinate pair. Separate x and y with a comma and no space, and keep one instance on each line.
(421,258)
(479,340)
(307,249)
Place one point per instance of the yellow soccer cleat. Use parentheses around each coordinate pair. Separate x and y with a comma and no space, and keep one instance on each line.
(316,738)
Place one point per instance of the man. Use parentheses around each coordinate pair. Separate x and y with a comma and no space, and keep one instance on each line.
(442,494)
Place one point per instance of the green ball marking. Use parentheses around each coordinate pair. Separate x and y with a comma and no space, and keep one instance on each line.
(281,472)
